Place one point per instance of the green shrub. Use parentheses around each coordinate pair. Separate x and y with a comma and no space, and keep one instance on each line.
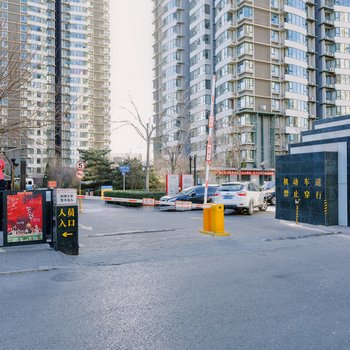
(133,195)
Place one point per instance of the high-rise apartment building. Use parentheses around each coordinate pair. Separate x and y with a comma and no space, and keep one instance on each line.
(28,81)
(279,64)
(66,97)
(171,85)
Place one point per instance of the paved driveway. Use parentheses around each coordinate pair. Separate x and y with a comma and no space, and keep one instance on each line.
(147,279)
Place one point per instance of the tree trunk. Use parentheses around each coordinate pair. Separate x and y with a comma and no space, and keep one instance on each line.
(147,161)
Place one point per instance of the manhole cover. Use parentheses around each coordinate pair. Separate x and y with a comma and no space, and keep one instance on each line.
(68,277)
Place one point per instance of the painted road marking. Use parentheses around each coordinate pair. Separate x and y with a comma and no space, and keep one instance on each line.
(88,228)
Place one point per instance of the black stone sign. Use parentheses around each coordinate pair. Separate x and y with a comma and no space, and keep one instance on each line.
(307,188)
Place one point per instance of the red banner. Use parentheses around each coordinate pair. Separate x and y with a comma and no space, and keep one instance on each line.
(245,172)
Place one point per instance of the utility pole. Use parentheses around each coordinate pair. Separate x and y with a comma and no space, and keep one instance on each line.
(210,138)
(195,169)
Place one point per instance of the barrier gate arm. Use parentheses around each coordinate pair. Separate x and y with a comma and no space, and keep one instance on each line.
(179,205)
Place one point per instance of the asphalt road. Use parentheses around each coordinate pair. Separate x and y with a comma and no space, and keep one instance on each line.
(147,279)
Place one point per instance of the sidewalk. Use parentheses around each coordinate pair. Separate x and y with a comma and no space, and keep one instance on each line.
(345,230)
(31,258)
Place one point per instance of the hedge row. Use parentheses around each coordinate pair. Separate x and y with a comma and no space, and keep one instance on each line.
(133,195)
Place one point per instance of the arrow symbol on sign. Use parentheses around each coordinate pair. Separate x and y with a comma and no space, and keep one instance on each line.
(67,234)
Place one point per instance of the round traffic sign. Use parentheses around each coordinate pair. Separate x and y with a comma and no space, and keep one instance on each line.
(80,165)
(80,174)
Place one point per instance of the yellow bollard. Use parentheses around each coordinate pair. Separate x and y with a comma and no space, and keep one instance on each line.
(218,226)
(207,221)
(80,205)
(213,220)
(80,201)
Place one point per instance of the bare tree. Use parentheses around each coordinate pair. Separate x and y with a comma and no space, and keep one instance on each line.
(144,128)
(65,176)
(239,137)
(174,146)
(16,71)
(18,68)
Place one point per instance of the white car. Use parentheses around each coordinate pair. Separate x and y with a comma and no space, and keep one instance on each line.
(240,196)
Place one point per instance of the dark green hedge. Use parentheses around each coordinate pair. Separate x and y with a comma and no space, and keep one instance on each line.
(133,195)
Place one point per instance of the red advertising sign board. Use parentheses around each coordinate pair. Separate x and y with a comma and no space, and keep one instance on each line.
(24,220)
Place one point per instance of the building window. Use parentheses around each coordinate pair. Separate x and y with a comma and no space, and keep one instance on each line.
(245,84)
(244,30)
(245,66)
(275,70)
(274,36)
(244,12)
(275,87)
(245,49)
(275,105)
(274,4)
(275,53)
(245,102)
(275,20)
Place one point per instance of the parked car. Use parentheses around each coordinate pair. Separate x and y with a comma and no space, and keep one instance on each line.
(271,197)
(268,186)
(193,194)
(241,196)
(270,192)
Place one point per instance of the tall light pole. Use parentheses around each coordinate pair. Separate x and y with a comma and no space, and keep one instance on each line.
(13,165)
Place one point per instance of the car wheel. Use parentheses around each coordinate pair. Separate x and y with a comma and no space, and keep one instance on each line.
(250,210)
(273,200)
(263,207)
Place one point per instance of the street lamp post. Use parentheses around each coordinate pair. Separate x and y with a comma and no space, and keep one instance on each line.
(13,164)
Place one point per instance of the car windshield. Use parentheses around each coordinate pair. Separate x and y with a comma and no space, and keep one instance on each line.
(186,191)
(212,189)
(268,186)
(231,187)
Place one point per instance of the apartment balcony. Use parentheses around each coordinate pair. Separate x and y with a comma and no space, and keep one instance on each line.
(327,4)
(330,70)
(312,83)
(329,53)
(328,37)
(328,23)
